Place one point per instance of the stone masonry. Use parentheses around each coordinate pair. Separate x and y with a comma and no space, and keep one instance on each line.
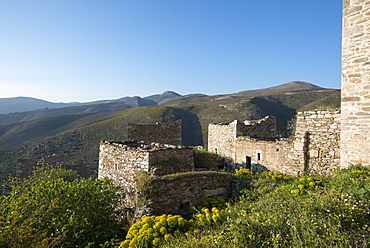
(122,161)
(25,166)
(315,147)
(163,133)
(178,195)
(222,137)
(355,130)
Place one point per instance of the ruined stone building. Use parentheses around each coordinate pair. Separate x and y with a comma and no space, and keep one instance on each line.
(121,161)
(124,161)
(222,137)
(315,147)
(163,133)
(355,130)
(25,166)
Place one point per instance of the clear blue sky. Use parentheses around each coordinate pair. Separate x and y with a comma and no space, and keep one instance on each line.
(83,50)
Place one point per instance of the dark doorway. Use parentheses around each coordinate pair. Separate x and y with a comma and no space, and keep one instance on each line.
(248,162)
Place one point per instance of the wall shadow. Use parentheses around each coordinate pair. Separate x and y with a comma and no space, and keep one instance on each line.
(191,128)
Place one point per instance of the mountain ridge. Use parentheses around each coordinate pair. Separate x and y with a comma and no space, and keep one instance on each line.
(26,104)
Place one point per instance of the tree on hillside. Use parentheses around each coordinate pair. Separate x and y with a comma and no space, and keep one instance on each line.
(54,208)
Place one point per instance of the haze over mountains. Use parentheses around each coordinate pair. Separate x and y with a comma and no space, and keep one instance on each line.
(74,132)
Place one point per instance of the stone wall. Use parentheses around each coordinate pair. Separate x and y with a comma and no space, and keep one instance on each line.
(170,161)
(317,140)
(265,155)
(222,137)
(163,133)
(25,166)
(355,108)
(122,161)
(177,195)
(262,129)
(315,147)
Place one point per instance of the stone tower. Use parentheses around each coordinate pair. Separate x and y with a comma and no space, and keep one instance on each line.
(355,126)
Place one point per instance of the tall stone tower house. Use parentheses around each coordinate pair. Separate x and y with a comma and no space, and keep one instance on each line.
(355,109)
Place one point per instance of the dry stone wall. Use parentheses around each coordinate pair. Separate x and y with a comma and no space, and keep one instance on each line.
(170,161)
(355,108)
(265,155)
(317,140)
(222,137)
(315,147)
(25,166)
(122,161)
(176,196)
(163,133)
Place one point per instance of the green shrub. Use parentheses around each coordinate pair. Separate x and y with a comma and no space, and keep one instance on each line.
(153,231)
(218,203)
(243,174)
(204,159)
(209,217)
(303,184)
(54,208)
(143,180)
(327,108)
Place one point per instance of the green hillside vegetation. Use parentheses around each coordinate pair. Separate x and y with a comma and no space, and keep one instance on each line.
(277,211)
(54,208)
(76,137)
(131,102)
(295,86)
(332,100)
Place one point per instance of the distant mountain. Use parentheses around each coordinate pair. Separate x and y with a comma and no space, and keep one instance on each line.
(164,97)
(21,104)
(24,104)
(48,109)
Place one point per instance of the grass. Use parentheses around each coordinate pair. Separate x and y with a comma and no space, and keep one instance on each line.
(334,211)
(193,174)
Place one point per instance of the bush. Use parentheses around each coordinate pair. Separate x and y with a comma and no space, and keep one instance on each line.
(54,208)
(303,184)
(152,231)
(205,159)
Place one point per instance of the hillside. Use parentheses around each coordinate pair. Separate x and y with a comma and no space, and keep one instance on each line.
(332,100)
(24,104)
(130,102)
(76,137)
(296,86)
(21,109)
